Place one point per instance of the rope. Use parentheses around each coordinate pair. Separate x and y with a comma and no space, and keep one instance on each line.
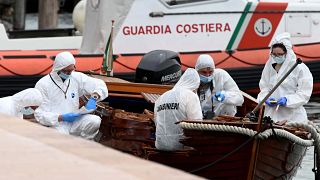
(243,61)
(183,64)
(130,68)
(263,135)
(314,134)
(314,126)
(214,127)
(223,60)
(287,135)
(17,74)
(306,56)
(187,66)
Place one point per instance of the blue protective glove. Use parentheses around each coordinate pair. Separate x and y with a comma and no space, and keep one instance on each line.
(282,101)
(271,102)
(70,117)
(91,104)
(219,96)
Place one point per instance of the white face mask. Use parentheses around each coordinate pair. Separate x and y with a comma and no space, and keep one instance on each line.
(27,111)
(279,59)
(64,76)
(205,79)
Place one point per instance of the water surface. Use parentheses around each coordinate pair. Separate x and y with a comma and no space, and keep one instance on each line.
(305,171)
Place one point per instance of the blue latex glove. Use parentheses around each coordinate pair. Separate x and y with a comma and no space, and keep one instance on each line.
(219,96)
(70,117)
(271,102)
(91,104)
(282,101)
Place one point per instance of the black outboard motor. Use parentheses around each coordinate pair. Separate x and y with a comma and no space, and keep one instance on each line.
(159,67)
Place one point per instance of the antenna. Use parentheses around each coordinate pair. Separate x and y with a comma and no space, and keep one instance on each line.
(108,57)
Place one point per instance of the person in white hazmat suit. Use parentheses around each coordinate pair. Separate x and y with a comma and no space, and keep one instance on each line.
(286,102)
(217,92)
(61,90)
(179,103)
(21,103)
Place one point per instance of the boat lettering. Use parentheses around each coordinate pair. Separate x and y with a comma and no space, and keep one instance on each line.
(180,28)
(167,106)
(171,76)
(195,28)
(142,30)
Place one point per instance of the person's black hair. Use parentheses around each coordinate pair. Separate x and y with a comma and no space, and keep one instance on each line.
(279,45)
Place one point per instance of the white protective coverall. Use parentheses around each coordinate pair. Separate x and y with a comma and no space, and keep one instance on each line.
(222,82)
(179,103)
(12,105)
(297,87)
(55,103)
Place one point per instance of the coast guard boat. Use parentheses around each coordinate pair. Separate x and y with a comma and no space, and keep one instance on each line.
(236,33)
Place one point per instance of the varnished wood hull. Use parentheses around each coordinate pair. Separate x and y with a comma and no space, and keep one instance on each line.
(208,148)
(276,158)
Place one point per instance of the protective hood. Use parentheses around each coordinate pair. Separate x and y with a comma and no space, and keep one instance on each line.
(284,39)
(27,97)
(204,61)
(189,80)
(63,60)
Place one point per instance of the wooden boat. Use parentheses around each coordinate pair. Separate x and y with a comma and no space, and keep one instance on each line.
(220,148)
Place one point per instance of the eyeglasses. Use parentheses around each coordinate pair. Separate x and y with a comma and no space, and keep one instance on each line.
(277,54)
(206,71)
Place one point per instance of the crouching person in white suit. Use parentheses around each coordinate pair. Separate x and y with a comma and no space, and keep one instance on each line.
(179,103)
(22,103)
(61,90)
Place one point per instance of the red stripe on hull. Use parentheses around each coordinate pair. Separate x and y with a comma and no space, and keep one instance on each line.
(251,39)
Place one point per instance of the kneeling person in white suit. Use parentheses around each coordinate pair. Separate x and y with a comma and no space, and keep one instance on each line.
(61,90)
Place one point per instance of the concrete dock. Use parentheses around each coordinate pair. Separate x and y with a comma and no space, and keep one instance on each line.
(31,151)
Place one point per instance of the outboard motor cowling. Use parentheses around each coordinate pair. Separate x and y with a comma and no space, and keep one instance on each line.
(159,67)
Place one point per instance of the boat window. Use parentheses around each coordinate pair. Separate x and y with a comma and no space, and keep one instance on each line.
(179,2)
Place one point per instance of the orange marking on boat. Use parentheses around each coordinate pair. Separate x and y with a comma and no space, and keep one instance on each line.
(251,39)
